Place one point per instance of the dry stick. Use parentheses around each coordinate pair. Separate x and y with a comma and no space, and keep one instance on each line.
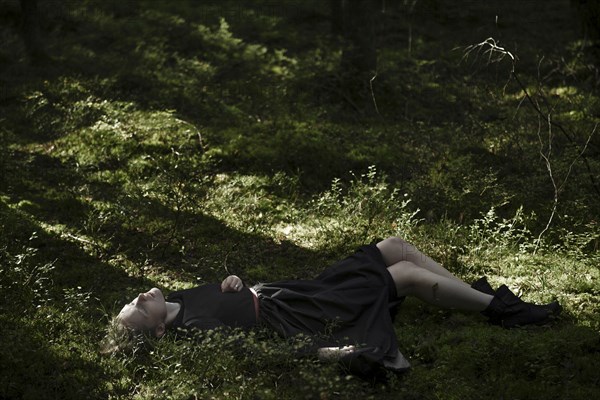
(373,93)
(557,189)
(562,130)
(200,142)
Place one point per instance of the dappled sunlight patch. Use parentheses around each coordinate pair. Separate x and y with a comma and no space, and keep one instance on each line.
(250,203)
(124,134)
(300,234)
(90,245)
(366,206)
(564,91)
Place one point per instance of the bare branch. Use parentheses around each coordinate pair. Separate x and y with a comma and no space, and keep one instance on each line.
(495,53)
(373,93)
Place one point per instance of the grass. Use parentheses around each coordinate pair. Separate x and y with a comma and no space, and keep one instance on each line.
(171,144)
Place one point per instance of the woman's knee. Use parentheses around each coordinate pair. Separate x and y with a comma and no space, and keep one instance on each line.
(393,249)
(394,241)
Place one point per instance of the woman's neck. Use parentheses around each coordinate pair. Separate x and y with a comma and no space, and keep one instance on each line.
(172,311)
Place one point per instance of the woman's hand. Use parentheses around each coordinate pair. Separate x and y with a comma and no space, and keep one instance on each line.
(231,284)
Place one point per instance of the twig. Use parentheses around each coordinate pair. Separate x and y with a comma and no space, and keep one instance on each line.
(79,239)
(557,189)
(197,132)
(373,93)
(225,264)
(562,130)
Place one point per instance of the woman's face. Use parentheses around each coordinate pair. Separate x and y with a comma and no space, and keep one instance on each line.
(147,312)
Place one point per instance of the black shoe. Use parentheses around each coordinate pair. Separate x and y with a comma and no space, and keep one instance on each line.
(509,311)
(483,286)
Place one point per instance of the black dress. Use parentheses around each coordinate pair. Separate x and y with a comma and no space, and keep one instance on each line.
(350,303)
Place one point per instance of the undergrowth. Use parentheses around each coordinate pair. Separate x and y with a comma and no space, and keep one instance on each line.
(173,144)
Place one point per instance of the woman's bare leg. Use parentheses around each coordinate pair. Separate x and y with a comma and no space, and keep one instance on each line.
(442,291)
(395,249)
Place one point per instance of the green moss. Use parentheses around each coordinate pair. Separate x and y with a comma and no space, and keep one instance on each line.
(171,143)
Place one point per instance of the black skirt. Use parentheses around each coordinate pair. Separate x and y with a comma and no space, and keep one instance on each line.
(350,303)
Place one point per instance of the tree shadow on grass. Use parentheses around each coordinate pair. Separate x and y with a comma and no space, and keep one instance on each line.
(146,232)
(43,356)
(31,368)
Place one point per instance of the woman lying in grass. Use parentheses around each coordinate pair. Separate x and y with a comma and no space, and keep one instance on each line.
(348,308)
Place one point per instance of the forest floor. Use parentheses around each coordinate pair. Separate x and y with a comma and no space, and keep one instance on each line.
(170,144)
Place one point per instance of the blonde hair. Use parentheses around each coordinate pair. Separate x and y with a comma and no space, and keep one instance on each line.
(120,338)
